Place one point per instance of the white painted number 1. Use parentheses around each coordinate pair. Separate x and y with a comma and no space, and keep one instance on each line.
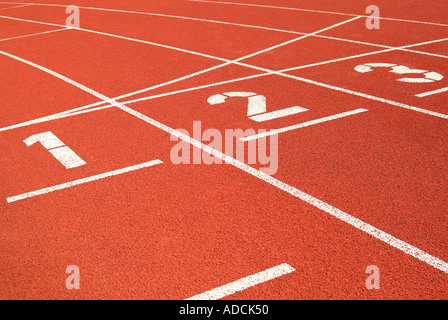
(66,156)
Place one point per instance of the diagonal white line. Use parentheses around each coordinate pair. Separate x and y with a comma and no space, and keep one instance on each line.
(339,214)
(228,62)
(32,21)
(169,16)
(75,111)
(21,6)
(303,125)
(316,11)
(237,24)
(61,77)
(278,114)
(266,73)
(82,181)
(320,84)
(33,34)
(366,54)
(244,283)
(122,37)
(297,39)
(405,106)
(430,93)
(231,3)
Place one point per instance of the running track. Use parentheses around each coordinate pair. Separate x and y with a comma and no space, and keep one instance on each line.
(366,187)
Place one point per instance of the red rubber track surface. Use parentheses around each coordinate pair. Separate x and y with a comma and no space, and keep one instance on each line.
(172,231)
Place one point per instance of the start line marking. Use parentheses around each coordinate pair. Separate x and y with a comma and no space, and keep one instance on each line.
(303,125)
(244,283)
(83,180)
(429,93)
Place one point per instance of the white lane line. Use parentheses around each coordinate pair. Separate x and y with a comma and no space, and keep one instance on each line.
(77,110)
(317,83)
(85,109)
(74,111)
(123,38)
(82,181)
(33,34)
(426,53)
(405,106)
(278,114)
(230,3)
(429,93)
(316,11)
(296,39)
(239,25)
(303,124)
(59,76)
(236,61)
(348,91)
(228,62)
(366,54)
(403,48)
(21,6)
(267,73)
(339,214)
(367,96)
(171,16)
(56,116)
(244,283)
(33,21)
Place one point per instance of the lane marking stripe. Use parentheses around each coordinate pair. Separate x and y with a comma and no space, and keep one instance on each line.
(367,96)
(82,181)
(339,214)
(303,124)
(33,34)
(73,111)
(244,283)
(21,6)
(241,25)
(429,93)
(278,114)
(316,11)
(232,3)
(226,61)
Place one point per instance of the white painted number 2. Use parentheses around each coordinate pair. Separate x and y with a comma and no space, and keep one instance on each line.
(256,108)
(401,70)
(66,156)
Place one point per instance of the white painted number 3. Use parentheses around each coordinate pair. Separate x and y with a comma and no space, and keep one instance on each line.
(401,70)
(57,148)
